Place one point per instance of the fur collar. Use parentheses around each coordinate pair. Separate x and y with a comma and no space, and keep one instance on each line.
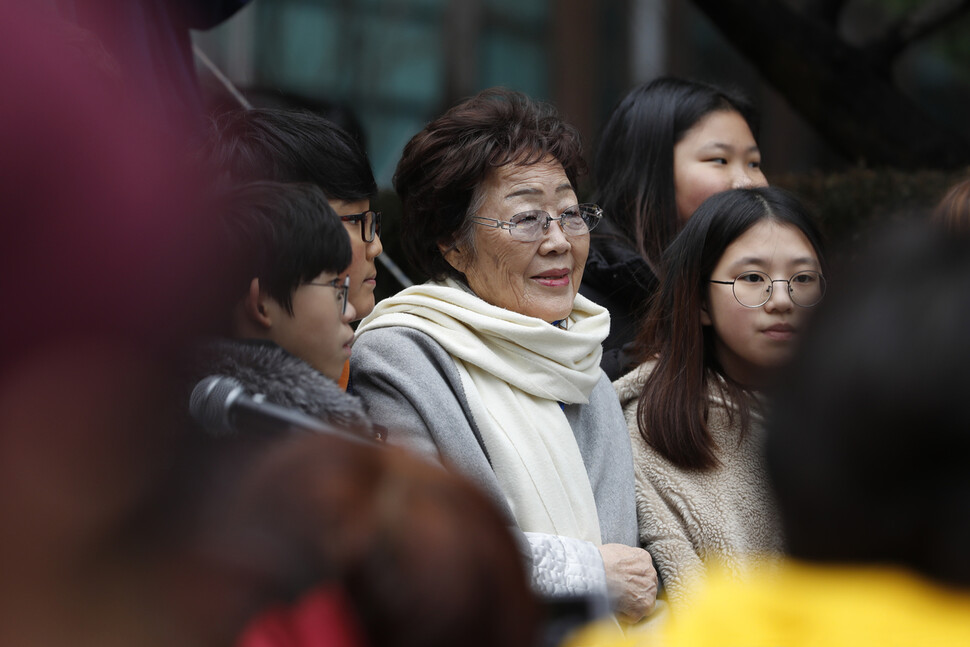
(263,367)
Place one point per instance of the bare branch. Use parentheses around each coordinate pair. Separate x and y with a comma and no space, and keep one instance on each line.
(919,23)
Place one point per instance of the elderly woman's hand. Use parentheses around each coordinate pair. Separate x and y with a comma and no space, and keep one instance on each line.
(631,580)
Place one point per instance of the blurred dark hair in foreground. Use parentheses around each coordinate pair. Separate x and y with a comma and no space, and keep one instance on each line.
(421,555)
(870,439)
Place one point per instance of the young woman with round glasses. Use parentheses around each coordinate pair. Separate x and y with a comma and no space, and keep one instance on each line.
(740,281)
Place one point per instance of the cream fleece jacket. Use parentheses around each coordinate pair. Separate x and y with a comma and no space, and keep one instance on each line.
(689,518)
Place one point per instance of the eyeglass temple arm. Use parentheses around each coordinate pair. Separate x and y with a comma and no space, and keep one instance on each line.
(493,223)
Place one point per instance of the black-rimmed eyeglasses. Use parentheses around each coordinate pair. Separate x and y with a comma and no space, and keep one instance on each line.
(370,224)
(343,289)
(753,289)
(530,226)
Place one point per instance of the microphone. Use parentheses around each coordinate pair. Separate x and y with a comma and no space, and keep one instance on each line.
(223,407)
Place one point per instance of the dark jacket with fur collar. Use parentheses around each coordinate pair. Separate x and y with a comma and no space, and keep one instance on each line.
(263,367)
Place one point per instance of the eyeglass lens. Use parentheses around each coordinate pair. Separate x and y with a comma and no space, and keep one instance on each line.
(575,221)
(370,225)
(343,290)
(753,289)
(342,286)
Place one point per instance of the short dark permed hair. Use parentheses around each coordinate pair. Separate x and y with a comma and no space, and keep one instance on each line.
(284,234)
(290,146)
(444,164)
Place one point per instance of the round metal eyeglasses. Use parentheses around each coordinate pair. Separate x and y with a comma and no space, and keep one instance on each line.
(753,289)
(370,224)
(342,286)
(530,226)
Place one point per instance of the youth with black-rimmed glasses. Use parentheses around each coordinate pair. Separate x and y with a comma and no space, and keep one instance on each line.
(299,146)
(288,333)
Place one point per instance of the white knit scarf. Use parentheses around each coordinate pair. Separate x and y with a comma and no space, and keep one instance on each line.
(515,371)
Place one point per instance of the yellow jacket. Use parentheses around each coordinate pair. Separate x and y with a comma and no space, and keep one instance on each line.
(802,605)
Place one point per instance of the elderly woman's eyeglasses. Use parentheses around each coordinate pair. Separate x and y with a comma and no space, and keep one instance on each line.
(753,289)
(343,289)
(530,226)
(370,224)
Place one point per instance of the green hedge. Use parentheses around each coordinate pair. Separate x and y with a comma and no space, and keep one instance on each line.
(849,204)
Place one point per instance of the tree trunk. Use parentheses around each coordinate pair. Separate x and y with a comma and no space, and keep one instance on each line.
(835,87)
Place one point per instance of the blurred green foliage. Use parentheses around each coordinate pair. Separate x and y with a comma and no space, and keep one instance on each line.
(852,204)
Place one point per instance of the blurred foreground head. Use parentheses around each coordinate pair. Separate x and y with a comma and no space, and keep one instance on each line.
(869,441)
(422,556)
(101,250)
(102,234)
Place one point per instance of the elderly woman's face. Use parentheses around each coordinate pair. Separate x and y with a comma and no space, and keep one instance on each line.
(538,279)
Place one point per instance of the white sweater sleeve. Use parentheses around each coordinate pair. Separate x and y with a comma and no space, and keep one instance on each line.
(566,566)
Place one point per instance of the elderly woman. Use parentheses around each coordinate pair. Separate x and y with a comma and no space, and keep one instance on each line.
(492,367)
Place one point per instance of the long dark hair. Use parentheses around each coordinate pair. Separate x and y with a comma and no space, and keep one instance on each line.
(634,164)
(672,410)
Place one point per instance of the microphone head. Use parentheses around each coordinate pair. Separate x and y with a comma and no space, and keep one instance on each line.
(211,400)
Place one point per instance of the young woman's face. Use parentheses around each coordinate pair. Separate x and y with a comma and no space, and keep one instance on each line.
(752,342)
(363,267)
(718,153)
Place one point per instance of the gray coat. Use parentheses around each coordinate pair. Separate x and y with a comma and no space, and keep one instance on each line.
(410,385)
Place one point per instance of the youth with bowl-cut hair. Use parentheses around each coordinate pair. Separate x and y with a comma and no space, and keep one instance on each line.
(288,335)
(667,146)
(740,280)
